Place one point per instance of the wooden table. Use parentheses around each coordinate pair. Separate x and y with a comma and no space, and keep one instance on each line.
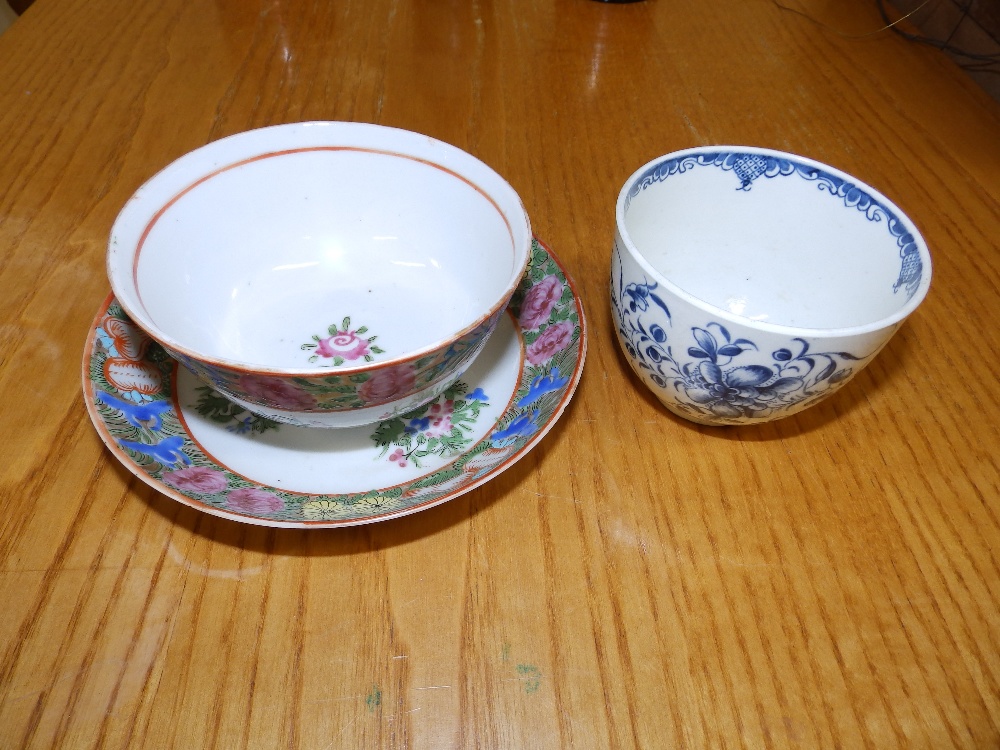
(830,580)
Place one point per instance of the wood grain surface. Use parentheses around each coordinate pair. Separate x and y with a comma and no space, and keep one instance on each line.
(826,581)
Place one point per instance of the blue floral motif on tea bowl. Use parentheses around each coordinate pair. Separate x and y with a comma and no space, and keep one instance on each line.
(749,284)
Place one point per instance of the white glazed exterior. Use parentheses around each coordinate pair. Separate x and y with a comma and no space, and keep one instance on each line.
(273,260)
(820,320)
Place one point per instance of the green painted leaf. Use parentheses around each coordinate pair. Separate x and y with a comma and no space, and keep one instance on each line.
(388,432)
(455,390)
(437,478)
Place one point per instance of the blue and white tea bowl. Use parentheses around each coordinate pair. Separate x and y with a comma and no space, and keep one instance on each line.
(748,284)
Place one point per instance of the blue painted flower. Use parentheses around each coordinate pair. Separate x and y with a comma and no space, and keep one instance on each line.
(541,385)
(477,395)
(640,295)
(523,426)
(418,424)
(740,392)
(242,426)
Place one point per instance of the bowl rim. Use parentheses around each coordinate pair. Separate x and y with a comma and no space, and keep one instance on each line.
(137,216)
(777,328)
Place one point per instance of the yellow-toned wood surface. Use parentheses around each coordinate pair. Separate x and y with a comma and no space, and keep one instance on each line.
(830,580)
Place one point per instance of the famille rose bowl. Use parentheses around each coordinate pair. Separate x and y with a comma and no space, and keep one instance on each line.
(748,284)
(326,274)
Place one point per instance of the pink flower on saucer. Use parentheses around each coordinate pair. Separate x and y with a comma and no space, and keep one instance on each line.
(198,479)
(440,419)
(539,301)
(253,500)
(385,385)
(553,339)
(344,344)
(277,393)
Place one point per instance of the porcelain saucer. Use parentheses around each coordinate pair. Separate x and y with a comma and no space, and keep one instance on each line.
(193,445)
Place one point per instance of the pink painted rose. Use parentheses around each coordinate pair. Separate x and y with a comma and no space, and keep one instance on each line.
(254,500)
(344,344)
(198,479)
(539,301)
(553,339)
(275,392)
(440,419)
(385,385)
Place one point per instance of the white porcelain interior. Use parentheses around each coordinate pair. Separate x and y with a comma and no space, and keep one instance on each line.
(247,249)
(783,253)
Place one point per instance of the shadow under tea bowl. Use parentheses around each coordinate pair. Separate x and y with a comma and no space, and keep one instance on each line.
(325,274)
(748,284)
